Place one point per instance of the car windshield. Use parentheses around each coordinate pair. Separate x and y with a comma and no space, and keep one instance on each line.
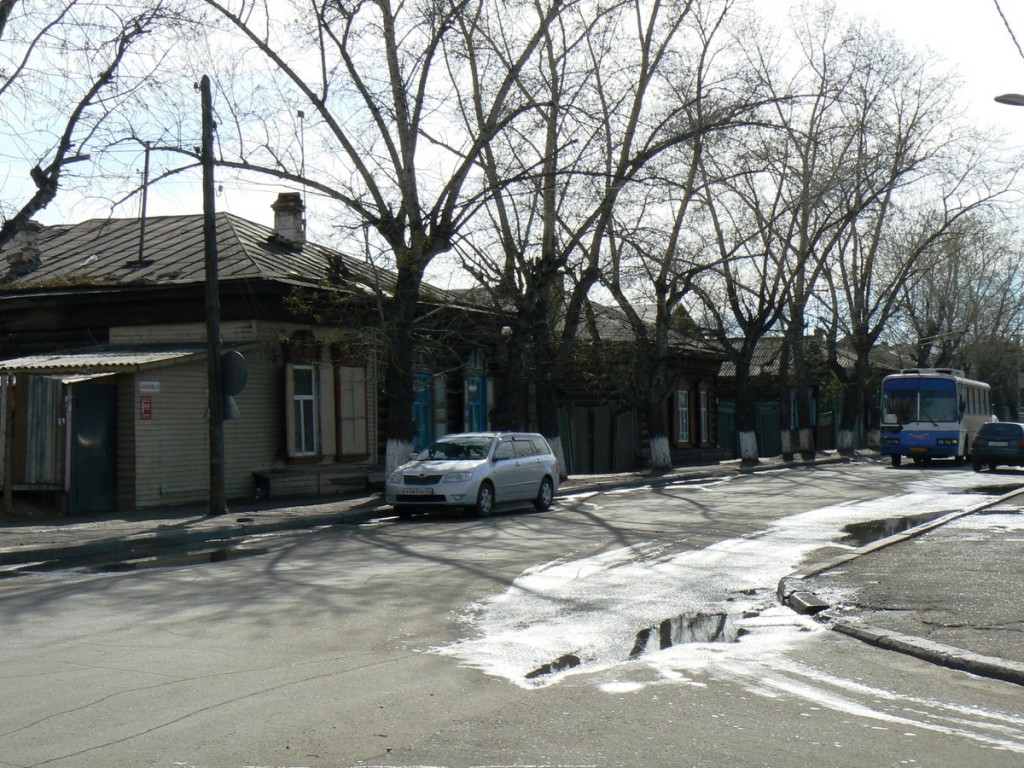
(457,448)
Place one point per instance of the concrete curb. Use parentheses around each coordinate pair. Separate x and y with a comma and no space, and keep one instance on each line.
(935,653)
(792,593)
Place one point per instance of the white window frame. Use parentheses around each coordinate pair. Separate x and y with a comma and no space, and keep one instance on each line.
(705,417)
(683,415)
(302,406)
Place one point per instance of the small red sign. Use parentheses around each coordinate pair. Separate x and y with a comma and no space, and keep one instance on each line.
(146,407)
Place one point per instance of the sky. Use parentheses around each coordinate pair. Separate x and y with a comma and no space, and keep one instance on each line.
(972,36)
(969,34)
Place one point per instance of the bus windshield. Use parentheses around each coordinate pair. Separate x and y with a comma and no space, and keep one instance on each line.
(905,401)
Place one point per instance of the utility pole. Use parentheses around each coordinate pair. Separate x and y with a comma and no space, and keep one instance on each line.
(215,384)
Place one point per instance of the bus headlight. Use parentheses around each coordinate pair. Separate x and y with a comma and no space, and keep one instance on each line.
(948,441)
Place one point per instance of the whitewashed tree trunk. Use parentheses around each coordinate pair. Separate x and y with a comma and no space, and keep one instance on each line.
(806,440)
(556,448)
(748,447)
(396,453)
(845,441)
(787,442)
(661,455)
(874,439)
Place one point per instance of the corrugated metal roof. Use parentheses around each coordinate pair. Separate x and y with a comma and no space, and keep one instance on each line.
(768,356)
(107,253)
(108,360)
(611,325)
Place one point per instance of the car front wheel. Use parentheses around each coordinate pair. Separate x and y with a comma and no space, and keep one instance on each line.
(545,495)
(484,500)
(976,464)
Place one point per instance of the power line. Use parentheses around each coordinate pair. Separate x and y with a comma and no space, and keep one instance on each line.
(1009,28)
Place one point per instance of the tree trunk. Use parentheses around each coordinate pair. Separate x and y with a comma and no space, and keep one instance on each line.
(854,401)
(787,442)
(748,447)
(786,415)
(657,430)
(398,372)
(547,419)
(508,410)
(746,418)
(661,452)
(846,440)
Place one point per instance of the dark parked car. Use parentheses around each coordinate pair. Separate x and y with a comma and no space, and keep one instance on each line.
(998,443)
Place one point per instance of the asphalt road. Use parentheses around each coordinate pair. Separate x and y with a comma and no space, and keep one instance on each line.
(415,643)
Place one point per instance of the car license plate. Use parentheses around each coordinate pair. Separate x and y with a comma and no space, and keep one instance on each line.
(998,443)
(417,491)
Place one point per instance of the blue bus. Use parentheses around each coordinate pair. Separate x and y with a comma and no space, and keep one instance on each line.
(932,413)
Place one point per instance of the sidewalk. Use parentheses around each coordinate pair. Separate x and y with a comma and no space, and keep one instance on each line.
(930,592)
(947,591)
(25,540)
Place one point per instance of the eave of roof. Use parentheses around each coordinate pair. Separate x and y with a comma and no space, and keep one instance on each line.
(101,360)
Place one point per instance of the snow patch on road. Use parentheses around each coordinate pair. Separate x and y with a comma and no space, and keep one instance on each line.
(575,616)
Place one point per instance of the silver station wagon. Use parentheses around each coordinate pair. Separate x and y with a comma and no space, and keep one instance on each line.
(476,470)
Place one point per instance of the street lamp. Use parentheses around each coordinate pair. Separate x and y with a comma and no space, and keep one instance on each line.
(1013,99)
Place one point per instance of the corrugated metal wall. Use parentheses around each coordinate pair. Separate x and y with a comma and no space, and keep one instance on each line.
(44,450)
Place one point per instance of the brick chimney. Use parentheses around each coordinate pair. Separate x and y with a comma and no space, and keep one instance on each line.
(23,254)
(289,222)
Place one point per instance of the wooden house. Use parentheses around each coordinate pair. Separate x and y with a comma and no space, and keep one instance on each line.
(600,416)
(103,339)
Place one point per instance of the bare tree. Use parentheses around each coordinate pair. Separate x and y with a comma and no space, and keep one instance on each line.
(743,299)
(66,67)
(779,205)
(967,308)
(808,163)
(613,108)
(884,253)
(917,172)
(659,241)
(381,87)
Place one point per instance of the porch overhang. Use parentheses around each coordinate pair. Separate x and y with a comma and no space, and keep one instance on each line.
(105,361)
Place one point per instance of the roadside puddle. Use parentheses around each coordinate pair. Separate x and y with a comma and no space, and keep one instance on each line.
(861,534)
(679,630)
